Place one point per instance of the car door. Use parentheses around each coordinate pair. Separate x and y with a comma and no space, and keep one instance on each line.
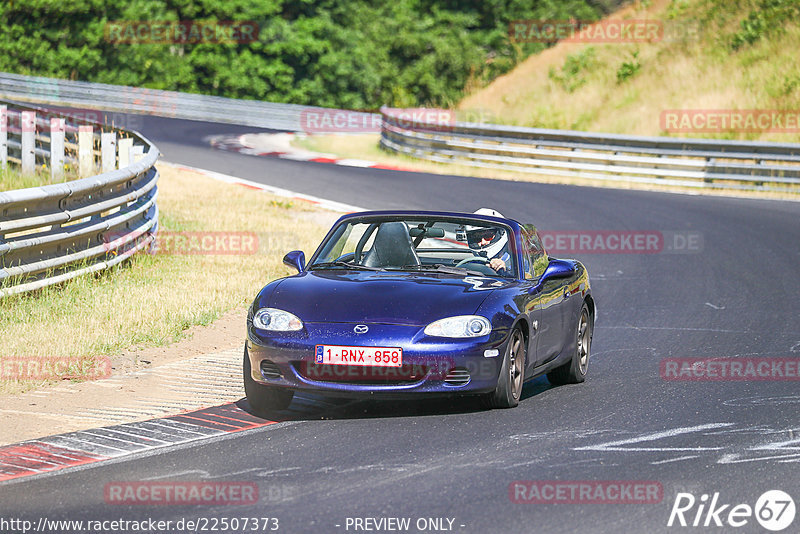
(531,262)
(551,327)
(548,297)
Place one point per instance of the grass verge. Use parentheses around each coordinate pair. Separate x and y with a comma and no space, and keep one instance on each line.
(11,178)
(153,299)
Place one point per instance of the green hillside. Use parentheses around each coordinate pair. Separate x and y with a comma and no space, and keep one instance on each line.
(714,56)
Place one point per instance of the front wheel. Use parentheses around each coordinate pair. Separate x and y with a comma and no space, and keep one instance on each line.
(512,374)
(574,371)
(263,400)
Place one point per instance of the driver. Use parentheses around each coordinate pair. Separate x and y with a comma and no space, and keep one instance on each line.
(490,243)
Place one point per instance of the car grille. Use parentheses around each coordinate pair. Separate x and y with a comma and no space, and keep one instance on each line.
(269,369)
(457,377)
(359,374)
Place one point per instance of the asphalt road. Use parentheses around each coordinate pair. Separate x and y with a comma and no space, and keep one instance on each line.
(733,293)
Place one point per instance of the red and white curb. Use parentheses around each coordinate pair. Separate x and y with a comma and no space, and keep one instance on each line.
(58,452)
(55,453)
(277,191)
(280,146)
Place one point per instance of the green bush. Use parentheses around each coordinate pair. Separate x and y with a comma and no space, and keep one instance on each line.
(770,16)
(629,68)
(573,73)
(357,54)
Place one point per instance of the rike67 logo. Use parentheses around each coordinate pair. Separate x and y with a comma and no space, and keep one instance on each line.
(774,510)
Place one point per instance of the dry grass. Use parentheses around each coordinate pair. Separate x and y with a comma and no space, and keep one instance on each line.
(11,178)
(693,67)
(152,299)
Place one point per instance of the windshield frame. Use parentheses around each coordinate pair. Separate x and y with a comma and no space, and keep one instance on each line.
(369,218)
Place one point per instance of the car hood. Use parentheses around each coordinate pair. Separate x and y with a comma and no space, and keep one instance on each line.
(380,297)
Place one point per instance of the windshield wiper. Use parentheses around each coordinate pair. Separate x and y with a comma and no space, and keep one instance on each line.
(439,268)
(345,264)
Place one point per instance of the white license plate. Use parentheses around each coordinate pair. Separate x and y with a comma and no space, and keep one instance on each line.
(374,356)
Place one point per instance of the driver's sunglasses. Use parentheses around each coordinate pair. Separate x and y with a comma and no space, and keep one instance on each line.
(485,234)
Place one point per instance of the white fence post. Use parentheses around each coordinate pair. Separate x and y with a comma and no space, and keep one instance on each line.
(137,153)
(85,151)
(108,151)
(3,136)
(124,147)
(28,156)
(57,127)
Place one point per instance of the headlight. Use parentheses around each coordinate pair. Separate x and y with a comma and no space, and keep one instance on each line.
(460,326)
(276,320)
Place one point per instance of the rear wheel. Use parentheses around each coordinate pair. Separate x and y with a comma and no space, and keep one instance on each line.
(263,400)
(574,371)
(509,384)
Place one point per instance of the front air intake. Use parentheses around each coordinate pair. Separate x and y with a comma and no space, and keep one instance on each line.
(269,369)
(457,377)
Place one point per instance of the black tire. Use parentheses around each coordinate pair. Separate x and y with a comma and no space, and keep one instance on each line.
(509,383)
(574,371)
(263,400)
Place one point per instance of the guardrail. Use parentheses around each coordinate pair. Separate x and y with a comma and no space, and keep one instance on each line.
(56,232)
(705,163)
(605,157)
(286,117)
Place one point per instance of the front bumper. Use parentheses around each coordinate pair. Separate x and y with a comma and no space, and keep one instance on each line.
(432,366)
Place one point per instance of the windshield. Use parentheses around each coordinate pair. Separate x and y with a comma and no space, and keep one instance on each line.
(397,244)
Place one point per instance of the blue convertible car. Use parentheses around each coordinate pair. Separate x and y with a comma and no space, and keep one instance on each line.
(398,304)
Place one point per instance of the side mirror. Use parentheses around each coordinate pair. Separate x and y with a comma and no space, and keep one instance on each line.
(555,269)
(296,259)
(558,269)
